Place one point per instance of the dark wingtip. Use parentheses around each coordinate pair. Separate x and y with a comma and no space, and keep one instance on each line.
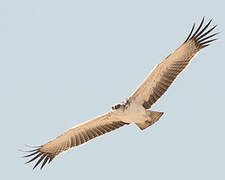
(38,154)
(28,151)
(201,35)
(199,27)
(190,33)
(44,162)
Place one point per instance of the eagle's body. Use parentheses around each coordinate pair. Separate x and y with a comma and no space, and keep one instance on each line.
(131,113)
(135,109)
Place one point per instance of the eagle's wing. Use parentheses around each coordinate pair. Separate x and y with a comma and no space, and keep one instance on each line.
(75,137)
(162,76)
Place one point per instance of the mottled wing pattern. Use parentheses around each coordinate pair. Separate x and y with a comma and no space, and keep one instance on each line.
(74,137)
(163,75)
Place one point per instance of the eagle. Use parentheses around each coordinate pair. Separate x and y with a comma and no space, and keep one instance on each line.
(134,109)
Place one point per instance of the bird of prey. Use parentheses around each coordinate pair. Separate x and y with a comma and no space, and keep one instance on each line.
(134,109)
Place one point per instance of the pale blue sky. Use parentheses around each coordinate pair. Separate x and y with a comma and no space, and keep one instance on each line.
(64,62)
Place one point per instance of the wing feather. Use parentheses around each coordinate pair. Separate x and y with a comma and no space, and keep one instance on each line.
(74,137)
(163,75)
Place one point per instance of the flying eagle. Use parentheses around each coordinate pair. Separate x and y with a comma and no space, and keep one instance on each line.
(135,108)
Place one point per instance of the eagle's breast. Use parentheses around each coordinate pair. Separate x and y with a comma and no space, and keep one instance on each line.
(130,111)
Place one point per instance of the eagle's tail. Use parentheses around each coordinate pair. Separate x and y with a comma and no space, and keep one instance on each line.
(154,117)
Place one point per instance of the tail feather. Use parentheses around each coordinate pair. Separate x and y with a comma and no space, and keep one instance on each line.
(154,117)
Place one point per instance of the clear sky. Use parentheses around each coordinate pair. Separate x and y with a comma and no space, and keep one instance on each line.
(64,62)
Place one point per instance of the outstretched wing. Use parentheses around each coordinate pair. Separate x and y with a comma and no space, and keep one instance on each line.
(75,137)
(163,75)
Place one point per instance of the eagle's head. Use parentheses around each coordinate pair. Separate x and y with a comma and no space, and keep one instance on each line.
(116,107)
(123,105)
